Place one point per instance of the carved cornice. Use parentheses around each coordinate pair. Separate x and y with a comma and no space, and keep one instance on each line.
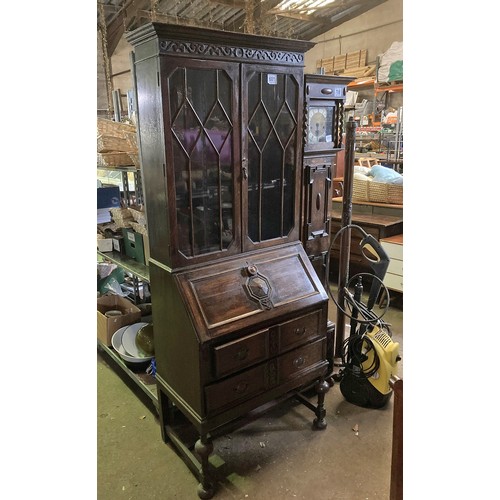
(208,50)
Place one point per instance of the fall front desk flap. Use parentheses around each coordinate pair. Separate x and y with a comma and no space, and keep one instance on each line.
(251,289)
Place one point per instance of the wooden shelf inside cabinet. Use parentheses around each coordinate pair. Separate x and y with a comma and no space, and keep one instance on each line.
(140,379)
(128,264)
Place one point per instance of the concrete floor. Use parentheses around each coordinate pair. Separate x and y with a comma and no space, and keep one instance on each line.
(277,456)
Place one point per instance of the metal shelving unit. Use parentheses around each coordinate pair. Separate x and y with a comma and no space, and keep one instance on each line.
(142,383)
(139,379)
(128,264)
(124,171)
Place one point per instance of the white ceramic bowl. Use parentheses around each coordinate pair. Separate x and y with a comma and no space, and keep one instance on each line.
(116,342)
(128,340)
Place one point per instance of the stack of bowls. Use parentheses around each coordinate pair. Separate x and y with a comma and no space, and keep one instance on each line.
(133,343)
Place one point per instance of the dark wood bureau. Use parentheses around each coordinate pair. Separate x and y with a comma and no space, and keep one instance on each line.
(239,313)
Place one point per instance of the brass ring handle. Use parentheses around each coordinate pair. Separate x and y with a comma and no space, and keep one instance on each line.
(242,353)
(298,362)
(241,387)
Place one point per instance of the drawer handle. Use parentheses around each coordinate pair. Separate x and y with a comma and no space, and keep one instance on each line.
(241,388)
(242,354)
(300,332)
(298,362)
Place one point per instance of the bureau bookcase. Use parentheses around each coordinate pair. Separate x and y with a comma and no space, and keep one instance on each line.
(239,314)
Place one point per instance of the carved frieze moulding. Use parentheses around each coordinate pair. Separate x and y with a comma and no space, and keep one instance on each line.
(240,53)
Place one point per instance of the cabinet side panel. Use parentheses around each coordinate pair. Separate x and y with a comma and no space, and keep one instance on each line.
(153,158)
(176,344)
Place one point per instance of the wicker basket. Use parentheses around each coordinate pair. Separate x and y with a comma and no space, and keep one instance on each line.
(115,159)
(138,215)
(360,190)
(395,193)
(131,137)
(111,143)
(134,157)
(121,217)
(377,192)
(139,228)
(112,128)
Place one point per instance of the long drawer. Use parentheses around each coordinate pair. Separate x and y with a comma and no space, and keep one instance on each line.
(260,378)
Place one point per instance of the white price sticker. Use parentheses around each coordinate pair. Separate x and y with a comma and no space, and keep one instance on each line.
(272,79)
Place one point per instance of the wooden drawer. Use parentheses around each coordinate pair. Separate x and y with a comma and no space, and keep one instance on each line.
(394,251)
(395,267)
(301,359)
(241,353)
(394,282)
(240,387)
(300,330)
(256,380)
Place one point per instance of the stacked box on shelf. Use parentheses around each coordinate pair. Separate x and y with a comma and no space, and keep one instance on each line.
(106,327)
(136,239)
(136,245)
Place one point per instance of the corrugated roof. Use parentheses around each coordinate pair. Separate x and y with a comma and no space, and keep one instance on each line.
(299,19)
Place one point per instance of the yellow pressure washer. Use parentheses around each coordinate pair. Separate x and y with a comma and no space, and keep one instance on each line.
(369,355)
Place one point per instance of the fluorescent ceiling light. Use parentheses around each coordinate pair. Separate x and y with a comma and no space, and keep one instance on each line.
(303,6)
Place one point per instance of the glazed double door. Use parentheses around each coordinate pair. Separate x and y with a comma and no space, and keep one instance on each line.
(232,136)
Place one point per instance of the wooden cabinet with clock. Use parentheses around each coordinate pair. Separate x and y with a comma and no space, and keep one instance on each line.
(324,98)
(239,315)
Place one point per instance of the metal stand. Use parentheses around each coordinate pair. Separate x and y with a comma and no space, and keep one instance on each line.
(345,237)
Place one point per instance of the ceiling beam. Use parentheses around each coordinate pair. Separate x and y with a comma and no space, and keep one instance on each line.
(185,21)
(237,4)
(121,21)
(263,8)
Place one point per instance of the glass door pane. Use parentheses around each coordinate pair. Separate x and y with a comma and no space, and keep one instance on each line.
(203,130)
(271,138)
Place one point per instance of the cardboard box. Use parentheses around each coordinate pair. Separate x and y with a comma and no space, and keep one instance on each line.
(134,245)
(108,197)
(105,245)
(107,326)
(119,245)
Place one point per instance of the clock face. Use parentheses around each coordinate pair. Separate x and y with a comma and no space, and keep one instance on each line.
(319,125)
